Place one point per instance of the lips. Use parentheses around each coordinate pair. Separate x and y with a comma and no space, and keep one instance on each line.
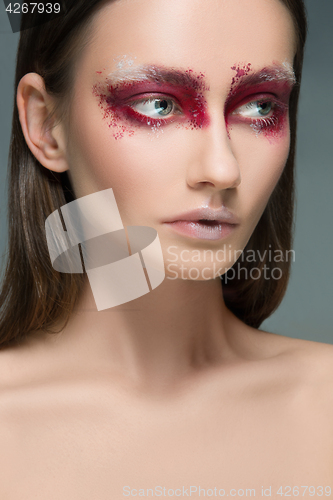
(205,223)
(207,215)
(208,222)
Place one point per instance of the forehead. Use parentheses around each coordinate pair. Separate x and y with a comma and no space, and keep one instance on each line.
(210,36)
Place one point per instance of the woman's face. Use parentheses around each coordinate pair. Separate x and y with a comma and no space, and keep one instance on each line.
(182,105)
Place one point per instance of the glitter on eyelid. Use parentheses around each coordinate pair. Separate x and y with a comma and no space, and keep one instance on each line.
(116,98)
(277,79)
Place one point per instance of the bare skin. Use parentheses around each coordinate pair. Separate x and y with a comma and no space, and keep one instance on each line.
(76,430)
(170,389)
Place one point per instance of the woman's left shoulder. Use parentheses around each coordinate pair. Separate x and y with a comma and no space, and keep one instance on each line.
(306,364)
(317,355)
(315,361)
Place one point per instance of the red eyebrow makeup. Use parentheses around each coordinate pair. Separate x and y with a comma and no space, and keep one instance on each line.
(275,77)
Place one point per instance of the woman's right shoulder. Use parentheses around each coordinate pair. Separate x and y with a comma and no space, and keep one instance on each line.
(13,361)
(16,374)
(22,369)
(24,362)
(13,381)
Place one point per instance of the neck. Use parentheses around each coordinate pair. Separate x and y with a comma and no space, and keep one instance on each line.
(179,329)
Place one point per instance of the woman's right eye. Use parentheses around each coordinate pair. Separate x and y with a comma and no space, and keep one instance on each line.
(156,107)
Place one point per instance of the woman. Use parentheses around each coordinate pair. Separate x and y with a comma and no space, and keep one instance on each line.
(187,111)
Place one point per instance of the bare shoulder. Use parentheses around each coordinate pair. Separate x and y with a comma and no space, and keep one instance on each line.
(12,366)
(17,366)
(311,362)
(26,371)
(317,360)
(15,378)
(18,372)
(316,356)
(32,360)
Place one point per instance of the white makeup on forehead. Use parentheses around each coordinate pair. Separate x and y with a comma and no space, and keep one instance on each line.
(124,61)
(291,71)
(128,73)
(281,73)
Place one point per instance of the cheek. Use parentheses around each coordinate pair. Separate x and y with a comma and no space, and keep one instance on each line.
(138,168)
(144,171)
(262,160)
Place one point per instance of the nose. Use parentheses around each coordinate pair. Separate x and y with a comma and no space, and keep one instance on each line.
(212,161)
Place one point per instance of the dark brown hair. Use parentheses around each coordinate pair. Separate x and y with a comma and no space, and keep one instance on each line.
(33,295)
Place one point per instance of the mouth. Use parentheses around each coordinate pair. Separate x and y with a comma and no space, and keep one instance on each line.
(207,222)
(205,229)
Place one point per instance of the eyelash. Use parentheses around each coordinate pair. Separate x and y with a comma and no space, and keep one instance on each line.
(278,110)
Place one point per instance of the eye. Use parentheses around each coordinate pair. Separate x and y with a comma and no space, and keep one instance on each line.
(255,109)
(155,107)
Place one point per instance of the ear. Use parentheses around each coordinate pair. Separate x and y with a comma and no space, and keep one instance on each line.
(45,140)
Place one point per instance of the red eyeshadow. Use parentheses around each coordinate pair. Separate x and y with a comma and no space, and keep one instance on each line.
(185,88)
(269,84)
(241,71)
(110,115)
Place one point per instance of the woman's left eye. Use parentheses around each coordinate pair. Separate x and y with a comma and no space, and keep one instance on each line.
(154,107)
(255,109)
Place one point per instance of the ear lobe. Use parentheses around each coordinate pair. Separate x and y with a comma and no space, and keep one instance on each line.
(44,138)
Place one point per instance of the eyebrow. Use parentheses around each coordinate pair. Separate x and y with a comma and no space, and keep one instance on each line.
(156,74)
(189,79)
(269,73)
(276,73)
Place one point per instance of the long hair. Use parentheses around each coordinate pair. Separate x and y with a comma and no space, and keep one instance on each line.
(33,295)
(249,298)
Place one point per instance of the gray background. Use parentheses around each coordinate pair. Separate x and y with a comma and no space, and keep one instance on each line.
(307,310)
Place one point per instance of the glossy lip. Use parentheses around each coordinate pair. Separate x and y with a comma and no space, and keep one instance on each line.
(205,213)
(221,223)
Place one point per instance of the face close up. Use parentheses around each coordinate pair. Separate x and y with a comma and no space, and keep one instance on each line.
(181,107)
